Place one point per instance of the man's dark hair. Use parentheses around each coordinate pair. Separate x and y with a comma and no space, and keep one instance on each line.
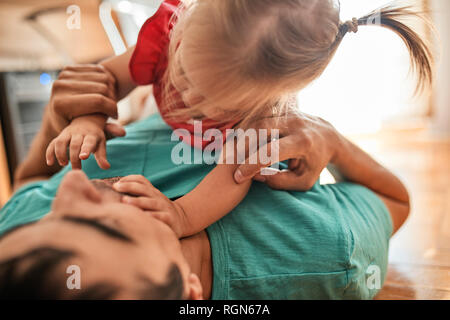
(31,275)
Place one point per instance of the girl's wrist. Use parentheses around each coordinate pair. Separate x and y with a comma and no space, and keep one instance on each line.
(96,119)
(181,230)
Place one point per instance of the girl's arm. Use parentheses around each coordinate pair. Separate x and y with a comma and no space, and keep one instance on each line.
(357,166)
(118,67)
(211,200)
(216,195)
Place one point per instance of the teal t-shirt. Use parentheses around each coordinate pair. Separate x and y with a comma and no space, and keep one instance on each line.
(327,243)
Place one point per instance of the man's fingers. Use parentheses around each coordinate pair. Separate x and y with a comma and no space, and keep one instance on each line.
(273,152)
(75,148)
(145,203)
(88,69)
(100,156)
(89,146)
(89,73)
(289,180)
(85,104)
(83,87)
(87,76)
(85,68)
(284,180)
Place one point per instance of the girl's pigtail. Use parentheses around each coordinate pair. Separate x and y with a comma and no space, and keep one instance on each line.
(390,17)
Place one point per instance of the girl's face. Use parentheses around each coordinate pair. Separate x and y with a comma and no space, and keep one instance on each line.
(186,88)
(191,95)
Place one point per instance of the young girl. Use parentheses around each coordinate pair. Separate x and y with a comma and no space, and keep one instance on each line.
(227,63)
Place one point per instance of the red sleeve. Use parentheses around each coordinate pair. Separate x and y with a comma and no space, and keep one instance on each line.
(152,40)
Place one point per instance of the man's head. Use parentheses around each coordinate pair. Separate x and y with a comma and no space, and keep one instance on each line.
(120,251)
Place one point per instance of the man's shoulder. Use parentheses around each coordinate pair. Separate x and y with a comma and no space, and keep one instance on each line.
(278,238)
(28,204)
(305,243)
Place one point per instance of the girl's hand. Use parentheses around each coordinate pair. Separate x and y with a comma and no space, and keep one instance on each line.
(83,136)
(309,143)
(145,196)
(83,90)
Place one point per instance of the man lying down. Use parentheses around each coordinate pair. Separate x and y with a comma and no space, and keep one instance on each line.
(326,243)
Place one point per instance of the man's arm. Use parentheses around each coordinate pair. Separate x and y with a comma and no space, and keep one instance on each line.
(355,165)
(34,167)
(310,144)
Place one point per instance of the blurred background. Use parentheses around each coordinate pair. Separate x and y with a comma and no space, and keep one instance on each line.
(367,93)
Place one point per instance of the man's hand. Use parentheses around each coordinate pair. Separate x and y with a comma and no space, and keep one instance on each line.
(309,143)
(145,196)
(83,90)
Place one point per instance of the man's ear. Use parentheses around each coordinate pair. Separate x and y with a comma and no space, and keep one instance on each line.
(195,288)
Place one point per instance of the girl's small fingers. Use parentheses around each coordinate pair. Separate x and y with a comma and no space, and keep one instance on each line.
(162,216)
(145,203)
(50,154)
(133,188)
(115,130)
(100,156)
(301,168)
(89,146)
(167,218)
(259,178)
(61,145)
(75,147)
(294,164)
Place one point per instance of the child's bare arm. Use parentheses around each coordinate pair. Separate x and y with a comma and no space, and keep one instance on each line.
(118,67)
(211,200)
(215,196)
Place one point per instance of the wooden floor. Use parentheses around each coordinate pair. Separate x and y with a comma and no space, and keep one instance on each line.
(419,261)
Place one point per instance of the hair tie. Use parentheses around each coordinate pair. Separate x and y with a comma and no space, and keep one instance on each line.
(352,25)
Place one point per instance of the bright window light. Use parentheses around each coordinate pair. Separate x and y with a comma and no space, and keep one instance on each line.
(125,6)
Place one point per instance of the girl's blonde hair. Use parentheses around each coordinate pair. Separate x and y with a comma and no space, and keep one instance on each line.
(243,59)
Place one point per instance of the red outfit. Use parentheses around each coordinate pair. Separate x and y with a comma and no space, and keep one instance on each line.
(149,63)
